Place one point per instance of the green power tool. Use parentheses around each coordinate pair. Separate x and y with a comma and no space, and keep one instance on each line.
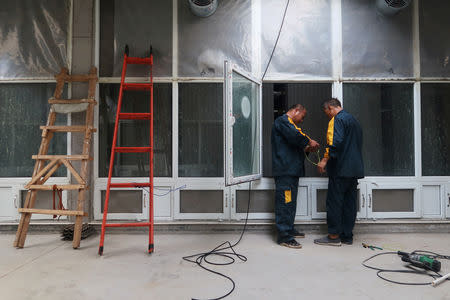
(421,261)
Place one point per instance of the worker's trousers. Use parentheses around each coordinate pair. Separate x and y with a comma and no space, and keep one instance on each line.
(286,188)
(341,206)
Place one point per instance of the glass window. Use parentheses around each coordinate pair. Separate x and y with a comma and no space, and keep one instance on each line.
(23,109)
(435,102)
(375,45)
(304,46)
(386,114)
(135,132)
(138,23)
(195,201)
(434,42)
(200,130)
(122,201)
(243,123)
(277,98)
(261,201)
(205,43)
(401,200)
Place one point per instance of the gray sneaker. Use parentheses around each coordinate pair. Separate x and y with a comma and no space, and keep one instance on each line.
(327,241)
(291,244)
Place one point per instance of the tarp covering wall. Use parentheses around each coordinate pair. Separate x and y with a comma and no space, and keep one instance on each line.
(33,38)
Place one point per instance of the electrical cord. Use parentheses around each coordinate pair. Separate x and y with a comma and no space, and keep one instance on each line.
(169,190)
(413,270)
(276,41)
(220,250)
(318,157)
(200,259)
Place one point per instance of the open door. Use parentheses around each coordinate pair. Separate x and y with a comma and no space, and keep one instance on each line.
(243,130)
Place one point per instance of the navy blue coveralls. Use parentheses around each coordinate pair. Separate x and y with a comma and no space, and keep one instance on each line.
(344,167)
(288,143)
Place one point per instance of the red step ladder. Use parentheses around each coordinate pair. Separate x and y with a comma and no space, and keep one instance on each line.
(148,149)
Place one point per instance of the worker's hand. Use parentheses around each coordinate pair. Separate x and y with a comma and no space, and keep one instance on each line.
(313,146)
(321,165)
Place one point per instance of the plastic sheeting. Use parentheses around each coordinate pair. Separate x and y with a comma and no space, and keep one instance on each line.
(304,46)
(374,45)
(141,23)
(434,38)
(33,38)
(204,43)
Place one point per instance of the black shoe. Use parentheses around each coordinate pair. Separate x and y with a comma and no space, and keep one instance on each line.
(327,241)
(347,241)
(291,244)
(296,234)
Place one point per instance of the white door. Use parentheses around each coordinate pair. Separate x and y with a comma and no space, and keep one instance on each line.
(393,200)
(8,204)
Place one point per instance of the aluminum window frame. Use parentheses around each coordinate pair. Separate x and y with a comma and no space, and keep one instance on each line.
(229,69)
(337,88)
(17,184)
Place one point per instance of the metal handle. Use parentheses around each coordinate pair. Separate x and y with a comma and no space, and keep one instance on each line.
(226,200)
(145,200)
(448,203)
(363,201)
(15,201)
(370,200)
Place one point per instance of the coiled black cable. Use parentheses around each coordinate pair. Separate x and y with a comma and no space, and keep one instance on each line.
(412,270)
(224,250)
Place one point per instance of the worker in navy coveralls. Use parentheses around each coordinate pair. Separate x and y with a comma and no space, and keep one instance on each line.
(288,146)
(344,165)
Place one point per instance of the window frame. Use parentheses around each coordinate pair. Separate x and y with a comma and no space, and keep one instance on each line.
(229,69)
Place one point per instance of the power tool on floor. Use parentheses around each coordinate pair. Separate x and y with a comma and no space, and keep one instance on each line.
(421,261)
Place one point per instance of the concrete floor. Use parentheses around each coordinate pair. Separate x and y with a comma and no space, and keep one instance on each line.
(48,268)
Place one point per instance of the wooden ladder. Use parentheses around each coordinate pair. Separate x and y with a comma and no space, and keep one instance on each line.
(46,165)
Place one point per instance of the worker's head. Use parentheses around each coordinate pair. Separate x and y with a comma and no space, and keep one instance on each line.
(297,113)
(331,107)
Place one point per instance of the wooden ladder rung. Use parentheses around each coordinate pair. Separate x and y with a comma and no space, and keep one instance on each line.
(52,212)
(75,128)
(66,157)
(58,186)
(71,101)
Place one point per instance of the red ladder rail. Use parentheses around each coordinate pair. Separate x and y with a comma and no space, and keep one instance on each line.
(123,149)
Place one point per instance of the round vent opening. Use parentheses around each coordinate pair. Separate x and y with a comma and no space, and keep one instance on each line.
(203,8)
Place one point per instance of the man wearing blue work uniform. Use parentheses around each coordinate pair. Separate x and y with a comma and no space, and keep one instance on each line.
(289,144)
(344,165)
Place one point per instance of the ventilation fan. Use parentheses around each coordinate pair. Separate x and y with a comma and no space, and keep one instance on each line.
(203,8)
(391,7)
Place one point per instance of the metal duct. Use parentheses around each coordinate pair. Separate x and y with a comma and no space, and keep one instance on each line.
(203,8)
(391,7)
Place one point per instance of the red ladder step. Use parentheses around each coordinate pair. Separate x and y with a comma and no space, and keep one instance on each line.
(130,185)
(137,86)
(139,60)
(132,149)
(135,116)
(128,224)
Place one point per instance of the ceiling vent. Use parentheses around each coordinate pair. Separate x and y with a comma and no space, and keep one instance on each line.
(203,8)
(391,7)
